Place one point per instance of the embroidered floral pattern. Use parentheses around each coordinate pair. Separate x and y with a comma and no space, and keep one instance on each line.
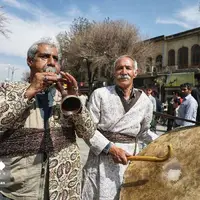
(64,155)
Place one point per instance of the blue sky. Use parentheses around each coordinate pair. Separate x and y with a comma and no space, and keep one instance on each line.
(30,20)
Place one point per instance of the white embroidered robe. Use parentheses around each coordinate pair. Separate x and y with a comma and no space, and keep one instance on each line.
(101,176)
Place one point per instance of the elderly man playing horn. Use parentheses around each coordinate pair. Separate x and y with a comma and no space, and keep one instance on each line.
(39,156)
(122,115)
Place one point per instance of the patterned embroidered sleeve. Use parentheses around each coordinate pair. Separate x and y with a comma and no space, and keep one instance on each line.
(12,106)
(84,125)
(98,142)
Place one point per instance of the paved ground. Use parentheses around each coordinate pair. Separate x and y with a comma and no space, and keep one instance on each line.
(84,148)
(161,129)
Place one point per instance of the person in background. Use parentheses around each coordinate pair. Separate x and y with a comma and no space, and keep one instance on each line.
(153,101)
(122,115)
(188,107)
(171,109)
(176,105)
(158,102)
(177,95)
(151,97)
(196,94)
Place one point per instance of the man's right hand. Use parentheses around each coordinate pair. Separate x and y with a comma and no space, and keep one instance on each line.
(40,82)
(119,155)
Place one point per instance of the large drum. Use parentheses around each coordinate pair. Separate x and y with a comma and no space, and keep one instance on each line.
(177,178)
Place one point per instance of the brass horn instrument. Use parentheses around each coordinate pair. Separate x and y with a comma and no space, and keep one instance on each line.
(70,104)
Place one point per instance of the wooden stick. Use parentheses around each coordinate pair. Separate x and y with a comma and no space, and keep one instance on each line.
(152,158)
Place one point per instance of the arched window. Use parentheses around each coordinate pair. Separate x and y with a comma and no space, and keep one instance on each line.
(183,57)
(148,64)
(195,57)
(159,63)
(171,57)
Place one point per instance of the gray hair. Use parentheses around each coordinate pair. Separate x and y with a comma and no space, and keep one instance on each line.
(34,47)
(127,56)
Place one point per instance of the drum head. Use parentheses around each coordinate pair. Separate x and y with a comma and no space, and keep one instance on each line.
(177,178)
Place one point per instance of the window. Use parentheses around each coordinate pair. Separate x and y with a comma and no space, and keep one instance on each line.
(183,57)
(171,57)
(159,63)
(195,57)
(148,64)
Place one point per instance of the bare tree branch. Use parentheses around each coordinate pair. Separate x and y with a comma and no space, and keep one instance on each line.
(3,24)
(100,43)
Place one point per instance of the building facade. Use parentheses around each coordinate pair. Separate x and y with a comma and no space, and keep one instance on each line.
(178,51)
(175,60)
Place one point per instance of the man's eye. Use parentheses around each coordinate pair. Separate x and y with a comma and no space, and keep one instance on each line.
(43,56)
(56,59)
(128,67)
(119,68)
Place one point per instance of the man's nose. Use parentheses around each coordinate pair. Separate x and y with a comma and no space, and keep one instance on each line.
(51,61)
(124,71)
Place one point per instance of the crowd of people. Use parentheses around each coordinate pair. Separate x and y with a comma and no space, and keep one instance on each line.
(183,107)
(39,156)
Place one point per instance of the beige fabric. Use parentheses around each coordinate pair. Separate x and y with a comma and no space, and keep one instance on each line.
(27,182)
(28,172)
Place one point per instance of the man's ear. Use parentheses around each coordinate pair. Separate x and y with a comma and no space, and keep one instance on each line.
(136,72)
(29,61)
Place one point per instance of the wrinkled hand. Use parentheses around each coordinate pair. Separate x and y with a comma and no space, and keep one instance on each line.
(119,155)
(40,82)
(70,81)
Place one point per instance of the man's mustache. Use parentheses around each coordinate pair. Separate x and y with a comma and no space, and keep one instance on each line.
(123,76)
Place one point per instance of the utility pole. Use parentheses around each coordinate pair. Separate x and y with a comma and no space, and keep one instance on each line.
(8,74)
(13,69)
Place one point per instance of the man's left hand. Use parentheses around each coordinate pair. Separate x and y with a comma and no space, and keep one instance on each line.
(71,83)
